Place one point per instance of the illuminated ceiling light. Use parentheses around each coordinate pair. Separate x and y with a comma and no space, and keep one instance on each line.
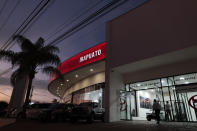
(76,76)
(186,82)
(182,78)
(162,81)
(91,70)
(61,84)
(138,85)
(67,80)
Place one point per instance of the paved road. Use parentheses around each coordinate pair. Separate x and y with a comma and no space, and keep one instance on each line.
(99,126)
(6,121)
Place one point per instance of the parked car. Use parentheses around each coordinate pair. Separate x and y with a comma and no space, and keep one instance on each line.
(88,111)
(33,112)
(3,108)
(55,112)
(62,114)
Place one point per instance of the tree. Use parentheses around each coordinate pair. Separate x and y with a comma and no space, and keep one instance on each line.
(31,59)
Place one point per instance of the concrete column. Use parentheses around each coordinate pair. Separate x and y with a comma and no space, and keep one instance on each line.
(115,84)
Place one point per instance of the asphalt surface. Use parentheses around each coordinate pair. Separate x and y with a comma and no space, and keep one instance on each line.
(6,121)
(29,125)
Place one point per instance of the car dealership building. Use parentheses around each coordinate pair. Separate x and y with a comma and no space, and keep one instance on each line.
(150,53)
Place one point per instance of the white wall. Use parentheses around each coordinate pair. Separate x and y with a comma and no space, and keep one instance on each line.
(135,32)
(115,83)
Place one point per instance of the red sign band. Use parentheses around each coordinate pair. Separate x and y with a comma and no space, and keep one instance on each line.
(86,57)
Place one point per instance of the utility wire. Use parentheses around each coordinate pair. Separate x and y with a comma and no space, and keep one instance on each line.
(65,24)
(99,13)
(59,28)
(4,94)
(9,15)
(37,13)
(86,20)
(3,6)
(9,41)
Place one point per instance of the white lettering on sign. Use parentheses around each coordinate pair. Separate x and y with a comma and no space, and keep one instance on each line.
(90,55)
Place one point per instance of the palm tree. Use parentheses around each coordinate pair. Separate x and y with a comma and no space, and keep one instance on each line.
(31,57)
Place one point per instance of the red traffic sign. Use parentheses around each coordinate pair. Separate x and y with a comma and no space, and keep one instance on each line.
(191,102)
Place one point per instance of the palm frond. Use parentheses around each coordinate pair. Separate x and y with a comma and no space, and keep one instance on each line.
(24,43)
(18,58)
(49,58)
(52,70)
(7,55)
(39,43)
(50,49)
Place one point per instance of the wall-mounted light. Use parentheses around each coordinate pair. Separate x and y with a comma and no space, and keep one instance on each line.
(91,69)
(182,78)
(76,76)
(67,80)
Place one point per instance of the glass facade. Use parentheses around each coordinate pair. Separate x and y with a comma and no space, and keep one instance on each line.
(92,93)
(137,99)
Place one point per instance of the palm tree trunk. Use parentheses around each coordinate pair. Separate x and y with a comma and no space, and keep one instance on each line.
(18,93)
(31,76)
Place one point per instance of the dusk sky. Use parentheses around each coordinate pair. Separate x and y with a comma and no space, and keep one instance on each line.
(57,18)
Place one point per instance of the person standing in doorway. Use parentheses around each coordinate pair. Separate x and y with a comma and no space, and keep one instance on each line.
(168,112)
(156,109)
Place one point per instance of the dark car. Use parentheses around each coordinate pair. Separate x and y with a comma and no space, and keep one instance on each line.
(63,113)
(34,110)
(88,111)
(3,108)
(55,112)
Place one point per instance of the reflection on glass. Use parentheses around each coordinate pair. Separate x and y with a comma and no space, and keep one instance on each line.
(164,82)
(127,87)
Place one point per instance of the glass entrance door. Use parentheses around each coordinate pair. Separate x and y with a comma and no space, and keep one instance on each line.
(172,92)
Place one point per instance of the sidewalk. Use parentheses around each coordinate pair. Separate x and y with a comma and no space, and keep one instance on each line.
(163,126)
(6,121)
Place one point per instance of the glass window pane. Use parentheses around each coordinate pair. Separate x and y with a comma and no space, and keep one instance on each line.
(164,82)
(170,81)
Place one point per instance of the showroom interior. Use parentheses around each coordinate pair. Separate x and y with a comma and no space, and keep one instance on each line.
(137,98)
